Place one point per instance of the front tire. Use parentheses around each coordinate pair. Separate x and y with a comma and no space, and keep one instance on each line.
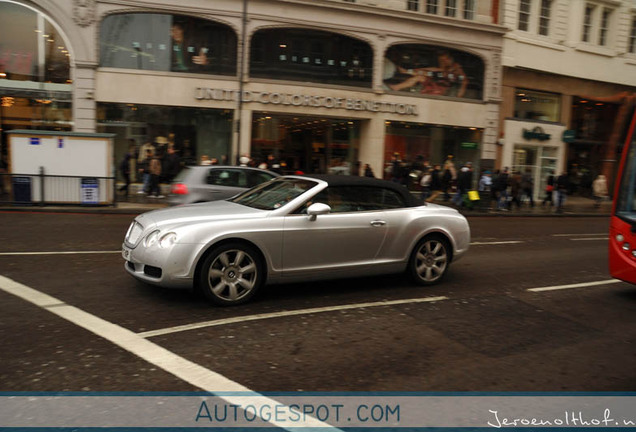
(231,274)
(430,260)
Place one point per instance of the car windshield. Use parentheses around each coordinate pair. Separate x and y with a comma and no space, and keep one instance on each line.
(274,194)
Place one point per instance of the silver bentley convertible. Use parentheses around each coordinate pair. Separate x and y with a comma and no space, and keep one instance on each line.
(295,228)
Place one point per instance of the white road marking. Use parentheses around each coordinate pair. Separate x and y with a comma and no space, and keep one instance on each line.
(497,242)
(579,235)
(578,285)
(58,253)
(170,362)
(257,317)
(589,239)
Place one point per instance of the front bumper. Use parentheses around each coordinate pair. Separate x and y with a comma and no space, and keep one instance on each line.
(169,268)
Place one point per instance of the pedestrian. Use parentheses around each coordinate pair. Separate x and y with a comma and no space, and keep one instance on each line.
(549,189)
(484,188)
(599,189)
(124,169)
(368,172)
(396,168)
(515,189)
(143,166)
(562,186)
(527,186)
(464,183)
(449,175)
(244,160)
(501,184)
(154,169)
(273,164)
(436,183)
(425,183)
(171,165)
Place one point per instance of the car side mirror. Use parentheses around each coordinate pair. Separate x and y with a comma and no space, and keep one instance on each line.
(317,209)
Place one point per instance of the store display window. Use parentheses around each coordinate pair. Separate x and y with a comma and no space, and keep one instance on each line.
(311,56)
(433,71)
(162,42)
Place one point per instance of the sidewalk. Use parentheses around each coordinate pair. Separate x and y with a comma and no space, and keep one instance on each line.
(574,206)
(139,203)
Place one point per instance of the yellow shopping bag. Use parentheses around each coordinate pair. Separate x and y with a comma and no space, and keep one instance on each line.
(473,195)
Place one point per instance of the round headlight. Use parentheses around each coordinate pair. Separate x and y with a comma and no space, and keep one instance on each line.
(151,239)
(168,240)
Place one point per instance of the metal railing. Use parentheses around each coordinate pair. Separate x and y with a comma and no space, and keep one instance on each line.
(44,189)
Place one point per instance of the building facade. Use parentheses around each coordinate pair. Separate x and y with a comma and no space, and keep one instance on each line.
(568,68)
(316,83)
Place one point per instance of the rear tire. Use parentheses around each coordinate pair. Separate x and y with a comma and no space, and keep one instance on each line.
(231,274)
(430,260)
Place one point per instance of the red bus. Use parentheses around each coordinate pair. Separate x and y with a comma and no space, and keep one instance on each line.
(622,239)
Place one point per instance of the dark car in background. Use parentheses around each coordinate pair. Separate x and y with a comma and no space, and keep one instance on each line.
(213,182)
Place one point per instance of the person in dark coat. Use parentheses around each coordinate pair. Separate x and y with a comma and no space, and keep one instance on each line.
(172,165)
(436,185)
(124,168)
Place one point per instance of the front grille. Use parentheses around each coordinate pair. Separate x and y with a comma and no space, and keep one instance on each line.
(152,271)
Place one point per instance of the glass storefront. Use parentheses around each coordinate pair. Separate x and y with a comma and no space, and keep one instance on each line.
(36,90)
(308,144)
(192,132)
(167,43)
(416,143)
(539,161)
(312,56)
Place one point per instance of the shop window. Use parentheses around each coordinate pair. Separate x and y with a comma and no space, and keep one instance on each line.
(433,70)
(167,43)
(413,5)
(592,120)
(314,56)
(534,105)
(193,132)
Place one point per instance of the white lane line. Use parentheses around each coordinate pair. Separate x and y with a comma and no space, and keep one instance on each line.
(282,314)
(578,285)
(170,362)
(579,235)
(589,239)
(497,242)
(58,253)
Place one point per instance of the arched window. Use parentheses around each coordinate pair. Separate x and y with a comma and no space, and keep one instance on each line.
(36,90)
(433,70)
(311,55)
(167,43)
(31,48)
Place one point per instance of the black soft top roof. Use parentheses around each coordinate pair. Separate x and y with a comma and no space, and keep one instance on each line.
(349,180)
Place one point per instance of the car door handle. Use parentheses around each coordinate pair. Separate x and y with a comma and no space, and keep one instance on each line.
(377,223)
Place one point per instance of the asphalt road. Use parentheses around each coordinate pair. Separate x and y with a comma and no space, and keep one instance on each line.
(483,329)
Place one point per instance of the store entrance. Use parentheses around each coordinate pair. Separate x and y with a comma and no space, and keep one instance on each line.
(313,145)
